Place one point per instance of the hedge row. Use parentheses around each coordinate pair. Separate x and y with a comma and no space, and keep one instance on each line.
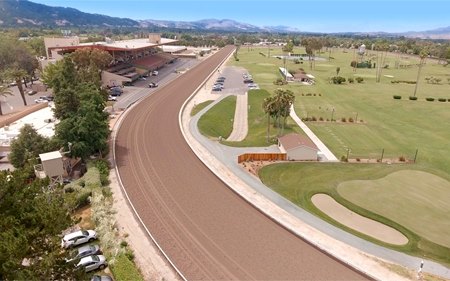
(397,97)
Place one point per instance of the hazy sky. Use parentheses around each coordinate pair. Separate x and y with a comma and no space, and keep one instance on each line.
(318,16)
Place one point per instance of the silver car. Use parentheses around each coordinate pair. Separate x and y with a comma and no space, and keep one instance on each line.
(92,263)
(82,252)
(78,237)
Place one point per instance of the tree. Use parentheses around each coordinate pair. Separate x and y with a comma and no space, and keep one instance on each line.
(32,220)
(62,77)
(289,47)
(17,62)
(423,56)
(4,91)
(28,145)
(283,102)
(270,109)
(88,128)
(337,70)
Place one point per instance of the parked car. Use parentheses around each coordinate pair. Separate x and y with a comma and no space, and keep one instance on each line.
(77,238)
(218,86)
(101,278)
(248,80)
(31,92)
(217,89)
(43,99)
(154,73)
(92,263)
(152,85)
(222,78)
(115,91)
(82,252)
(111,98)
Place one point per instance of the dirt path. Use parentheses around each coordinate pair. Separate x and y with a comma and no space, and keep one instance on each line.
(240,121)
(382,232)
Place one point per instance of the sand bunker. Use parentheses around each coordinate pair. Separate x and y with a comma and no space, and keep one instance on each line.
(377,230)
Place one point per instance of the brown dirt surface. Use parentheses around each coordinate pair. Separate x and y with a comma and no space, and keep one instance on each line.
(207,230)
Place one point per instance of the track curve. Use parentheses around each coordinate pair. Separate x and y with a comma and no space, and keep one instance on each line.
(208,231)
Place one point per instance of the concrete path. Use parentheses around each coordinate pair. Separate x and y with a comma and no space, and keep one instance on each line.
(322,147)
(364,255)
(240,124)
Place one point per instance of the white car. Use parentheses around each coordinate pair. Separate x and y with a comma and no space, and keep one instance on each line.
(78,237)
(92,263)
(111,98)
(154,73)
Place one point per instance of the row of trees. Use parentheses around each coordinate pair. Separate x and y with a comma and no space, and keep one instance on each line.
(278,108)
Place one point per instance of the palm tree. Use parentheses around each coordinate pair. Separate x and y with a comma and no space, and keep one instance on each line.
(269,109)
(423,56)
(4,91)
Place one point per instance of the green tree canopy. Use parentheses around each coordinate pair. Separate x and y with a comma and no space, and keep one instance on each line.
(88,128)
(28,145)
(31,225)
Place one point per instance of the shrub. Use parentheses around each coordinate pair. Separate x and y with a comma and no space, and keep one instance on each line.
(412,98)
(351,80)
(123,244)
(359,79)
(403,81)
(353,63)
(358,160)
(402,158)
(350,119)
(321,118)
(442,100)
(429,99)
(396,97)
(279,82)
(92,178)
(124,269)
(343,119)
(338,79)
(130,254)
(313,118)
(344,158)
(103,168)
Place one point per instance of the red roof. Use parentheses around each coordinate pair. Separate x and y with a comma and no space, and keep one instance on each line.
(293,140)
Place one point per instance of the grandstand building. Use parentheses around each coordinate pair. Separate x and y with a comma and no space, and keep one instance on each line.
(131,58)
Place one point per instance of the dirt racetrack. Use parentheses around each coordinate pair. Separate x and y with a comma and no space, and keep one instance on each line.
(208,231)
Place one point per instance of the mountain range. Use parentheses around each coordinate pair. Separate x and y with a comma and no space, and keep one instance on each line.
(24,13)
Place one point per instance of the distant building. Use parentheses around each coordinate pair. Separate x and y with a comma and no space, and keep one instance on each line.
(298,147)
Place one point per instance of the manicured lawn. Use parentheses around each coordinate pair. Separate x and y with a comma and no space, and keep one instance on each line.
(257,123)
(298,182)
(197,108)
(403,193)
(218,121)
(399,127)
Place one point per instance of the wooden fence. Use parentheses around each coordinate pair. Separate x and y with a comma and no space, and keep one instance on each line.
(261,157)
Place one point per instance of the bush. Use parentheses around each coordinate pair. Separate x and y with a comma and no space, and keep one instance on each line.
(338,79)
(359,79)
(442,100)
(350,119)
(412,98)
(279,82)
(313,118)
(429,99)
(351,80)
(124,269)
(396,97)
(103,168)
(320,118)
(402,158)
(343,119)
(123,244)
(403,81)
(130,254)
(344,158)
(92,178)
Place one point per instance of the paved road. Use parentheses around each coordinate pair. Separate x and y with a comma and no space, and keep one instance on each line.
(207,230)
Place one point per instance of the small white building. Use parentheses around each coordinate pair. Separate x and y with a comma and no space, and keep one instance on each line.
(298,147)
